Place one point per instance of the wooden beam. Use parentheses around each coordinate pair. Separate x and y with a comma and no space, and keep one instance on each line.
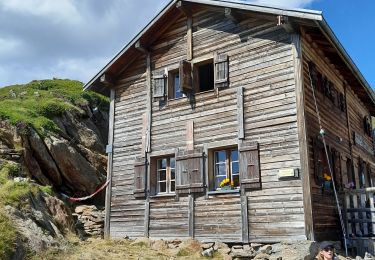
(191,215)
(240,122)
(189,38)
(106,79)
(190,135)
(285,22)
(147,218)
(302,136)
(184,8)
(149,102)
(245,218)
(233,15)
(109,166)
(140,47)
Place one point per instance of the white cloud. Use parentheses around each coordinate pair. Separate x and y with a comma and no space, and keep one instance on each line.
(55,10)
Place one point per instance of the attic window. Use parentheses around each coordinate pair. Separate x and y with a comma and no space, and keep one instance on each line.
(204,73)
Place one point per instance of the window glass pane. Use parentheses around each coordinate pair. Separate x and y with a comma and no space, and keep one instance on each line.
(234,169)
(162,164)
(172,163)
(162,175)
(220,156)
(176,86)
(173,174)
(236,180)
(234,155)
(162,187)
(220,169)
(173,186)
(219,179)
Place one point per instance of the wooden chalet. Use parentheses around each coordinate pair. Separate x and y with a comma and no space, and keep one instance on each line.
(215,90)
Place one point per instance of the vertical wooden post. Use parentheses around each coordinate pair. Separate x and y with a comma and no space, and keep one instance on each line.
(149,102)
(190,135)
(302,131)
(147,217)
(191,215)
(245,218)
(189,37)
(109,165)
(240,125)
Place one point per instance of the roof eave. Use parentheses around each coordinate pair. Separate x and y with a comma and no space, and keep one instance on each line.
(327,31)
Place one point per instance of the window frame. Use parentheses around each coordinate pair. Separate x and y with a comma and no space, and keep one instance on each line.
(213,184)
(168,175)
(196,78)
(171,84)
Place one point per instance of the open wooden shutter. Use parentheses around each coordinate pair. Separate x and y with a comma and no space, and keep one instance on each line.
(189,171)
(313,74)
(139,178)
(159,84)
(186,84)
(249,166)
(221,70)
(317,146)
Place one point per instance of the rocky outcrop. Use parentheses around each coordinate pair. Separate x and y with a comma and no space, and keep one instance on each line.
(71,160)
(41,225)
(90,220)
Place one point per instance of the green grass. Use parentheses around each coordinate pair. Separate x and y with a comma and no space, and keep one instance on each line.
(8,169)
(8,236)
(39,101)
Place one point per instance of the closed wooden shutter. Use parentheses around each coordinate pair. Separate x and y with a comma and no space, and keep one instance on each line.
(189,171)
(140,178)
(186,84)
(317,146)
(337,168)
(159,84)
(342,103)
(249,166)
(221,70)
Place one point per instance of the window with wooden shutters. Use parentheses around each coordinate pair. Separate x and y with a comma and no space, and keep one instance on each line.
(350,173)
(221,70)
(140,178)
(159,80)
(189,171)
(185,77)
(249,166)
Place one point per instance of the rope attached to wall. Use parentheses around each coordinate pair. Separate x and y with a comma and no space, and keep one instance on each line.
(87,197)
(322,134)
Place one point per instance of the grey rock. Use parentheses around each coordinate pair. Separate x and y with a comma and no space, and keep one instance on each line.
(207,245)
(266,249)
(220,245)
(262,256)
(208,252)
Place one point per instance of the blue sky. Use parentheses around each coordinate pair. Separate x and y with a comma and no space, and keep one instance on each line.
(74,39)
(354,25)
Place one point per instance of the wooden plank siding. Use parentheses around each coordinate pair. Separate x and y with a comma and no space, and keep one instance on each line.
(338,136)
(261,61)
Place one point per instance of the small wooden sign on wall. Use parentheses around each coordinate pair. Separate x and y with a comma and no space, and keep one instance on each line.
(288,173)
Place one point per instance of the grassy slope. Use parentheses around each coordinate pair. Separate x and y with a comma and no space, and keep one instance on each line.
(37,102)
(34,104)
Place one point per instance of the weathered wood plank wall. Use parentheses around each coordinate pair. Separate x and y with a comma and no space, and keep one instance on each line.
(335,123)
(261,61)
